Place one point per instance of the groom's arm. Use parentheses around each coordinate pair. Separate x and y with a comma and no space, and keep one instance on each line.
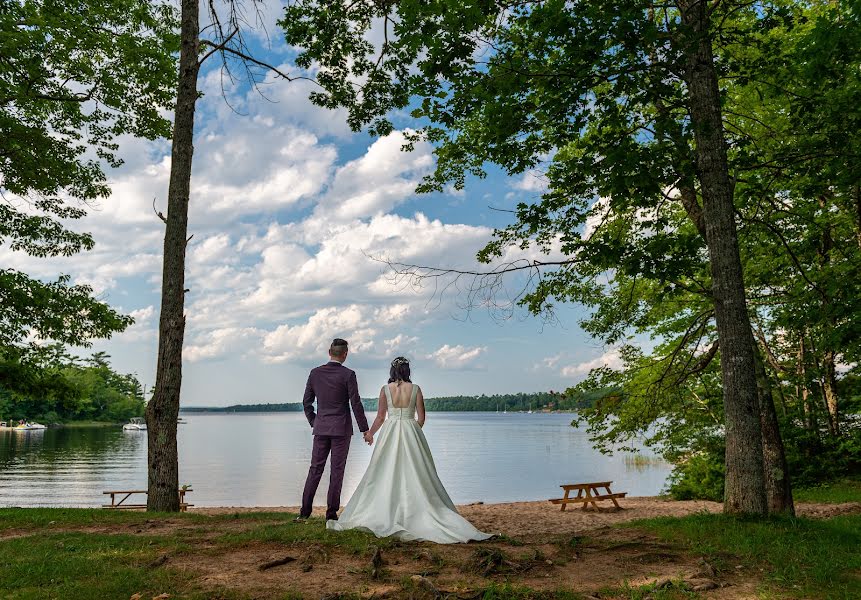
(308,402)
(356,402)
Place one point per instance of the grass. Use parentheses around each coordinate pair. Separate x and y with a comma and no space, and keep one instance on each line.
(798,557)
(674,591)
(88,566)
(48,518)
(802,557)
(845,490)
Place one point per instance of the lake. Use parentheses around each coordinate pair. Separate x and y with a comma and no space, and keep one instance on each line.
(262,459)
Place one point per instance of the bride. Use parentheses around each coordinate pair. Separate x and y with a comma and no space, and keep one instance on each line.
(400,494)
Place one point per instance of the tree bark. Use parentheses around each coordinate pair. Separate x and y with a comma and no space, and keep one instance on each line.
(745,484)
(778,488)
(163,410)
(858,214)
(802,391)
(829,392)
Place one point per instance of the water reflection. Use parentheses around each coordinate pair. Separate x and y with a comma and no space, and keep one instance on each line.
(262,459)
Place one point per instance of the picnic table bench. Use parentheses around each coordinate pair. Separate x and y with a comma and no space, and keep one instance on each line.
(183,505)
(588,493)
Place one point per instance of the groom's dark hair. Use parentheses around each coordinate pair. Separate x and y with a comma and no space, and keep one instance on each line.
(338,347)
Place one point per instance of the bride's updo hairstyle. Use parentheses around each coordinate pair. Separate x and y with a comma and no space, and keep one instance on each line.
(400,370)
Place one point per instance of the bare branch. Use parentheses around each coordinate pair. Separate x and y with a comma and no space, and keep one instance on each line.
(158,213)
(216,48)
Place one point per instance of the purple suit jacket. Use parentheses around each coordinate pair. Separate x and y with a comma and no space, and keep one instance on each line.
(335,388)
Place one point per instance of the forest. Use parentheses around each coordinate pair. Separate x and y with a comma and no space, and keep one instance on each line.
(54,387)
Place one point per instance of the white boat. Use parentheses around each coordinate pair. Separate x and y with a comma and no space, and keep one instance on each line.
(135,424)
(26,426)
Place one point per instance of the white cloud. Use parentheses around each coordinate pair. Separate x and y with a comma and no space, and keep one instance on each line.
(144,326)
(456,357)
(400,344)
(373,184)
(531,181)
(234,342)
(309,340)
(611,358)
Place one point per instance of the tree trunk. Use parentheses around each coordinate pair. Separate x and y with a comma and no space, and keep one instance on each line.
(745,486)
(802,391)
(858,214)
(829,392)
(778,488)
(163,410)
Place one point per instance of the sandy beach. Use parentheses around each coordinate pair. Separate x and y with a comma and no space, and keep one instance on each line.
(519,519)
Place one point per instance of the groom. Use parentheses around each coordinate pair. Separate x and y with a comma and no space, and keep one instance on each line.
(334,386)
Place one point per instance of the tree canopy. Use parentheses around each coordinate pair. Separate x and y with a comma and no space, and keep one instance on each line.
(611,104)
(75,75)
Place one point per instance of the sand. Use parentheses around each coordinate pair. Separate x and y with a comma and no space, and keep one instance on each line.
(517,519)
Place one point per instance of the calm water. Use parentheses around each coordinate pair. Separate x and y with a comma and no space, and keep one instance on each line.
(262,460)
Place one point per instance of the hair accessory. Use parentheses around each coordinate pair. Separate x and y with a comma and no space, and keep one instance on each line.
(400,361)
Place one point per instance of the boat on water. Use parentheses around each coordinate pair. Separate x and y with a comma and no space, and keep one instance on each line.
(27,426)
(135,424)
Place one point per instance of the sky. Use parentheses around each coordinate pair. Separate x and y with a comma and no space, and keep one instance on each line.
(288,210)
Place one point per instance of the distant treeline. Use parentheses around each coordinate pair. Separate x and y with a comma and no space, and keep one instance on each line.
(53,386)
(501,402)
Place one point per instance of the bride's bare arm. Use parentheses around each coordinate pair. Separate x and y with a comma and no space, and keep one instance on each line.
(381,412)
(420,408)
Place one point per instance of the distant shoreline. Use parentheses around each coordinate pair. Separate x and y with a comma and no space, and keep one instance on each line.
(204,410)
(535,402)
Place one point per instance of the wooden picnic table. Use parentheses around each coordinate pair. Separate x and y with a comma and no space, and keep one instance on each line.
(588,493)
(183,505)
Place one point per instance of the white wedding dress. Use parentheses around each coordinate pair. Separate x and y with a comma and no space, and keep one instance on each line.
(400,494)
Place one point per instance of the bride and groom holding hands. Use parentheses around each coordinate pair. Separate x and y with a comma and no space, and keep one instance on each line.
(400,494)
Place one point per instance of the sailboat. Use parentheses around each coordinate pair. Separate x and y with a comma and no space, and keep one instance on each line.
(529,412)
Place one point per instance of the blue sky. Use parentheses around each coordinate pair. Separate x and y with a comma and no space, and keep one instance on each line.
(286,203)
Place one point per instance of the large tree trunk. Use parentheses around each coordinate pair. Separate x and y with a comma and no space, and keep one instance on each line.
(745,485)
(163,409)
(778,488)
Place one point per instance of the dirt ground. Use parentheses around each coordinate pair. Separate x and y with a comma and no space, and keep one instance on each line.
(516,519)
(540,549)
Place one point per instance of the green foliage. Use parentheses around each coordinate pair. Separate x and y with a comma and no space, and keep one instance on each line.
(700,477)
(75,76)
(50,385)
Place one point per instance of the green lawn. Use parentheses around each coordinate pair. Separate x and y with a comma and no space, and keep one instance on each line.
(802,558)
(846,490)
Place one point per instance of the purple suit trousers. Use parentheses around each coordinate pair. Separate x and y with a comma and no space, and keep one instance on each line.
(335,388)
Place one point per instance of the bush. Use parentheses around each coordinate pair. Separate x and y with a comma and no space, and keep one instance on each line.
(700,477)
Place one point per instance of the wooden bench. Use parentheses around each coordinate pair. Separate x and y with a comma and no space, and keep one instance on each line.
(114,505)
(588,493)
